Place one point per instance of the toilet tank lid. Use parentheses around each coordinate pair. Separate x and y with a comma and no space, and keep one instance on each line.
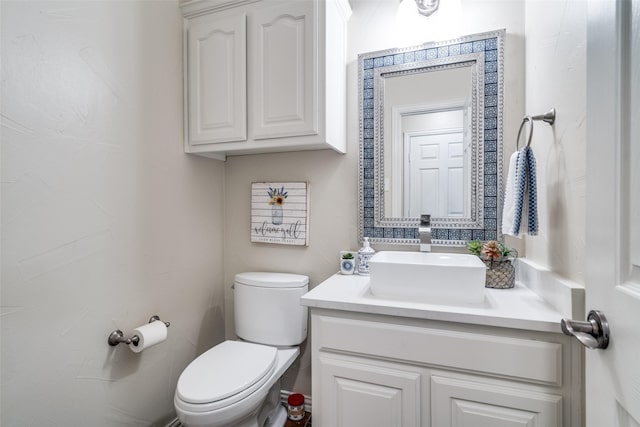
(272,280)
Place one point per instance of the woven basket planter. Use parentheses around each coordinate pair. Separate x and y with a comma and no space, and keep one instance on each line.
(500,274)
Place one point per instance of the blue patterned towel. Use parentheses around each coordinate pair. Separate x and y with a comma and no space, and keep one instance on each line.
(526,195)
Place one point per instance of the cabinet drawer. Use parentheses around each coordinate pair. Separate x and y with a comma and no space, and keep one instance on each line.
(508,357)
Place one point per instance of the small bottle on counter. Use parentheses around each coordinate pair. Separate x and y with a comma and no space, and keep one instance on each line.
(295,407)
(364,255)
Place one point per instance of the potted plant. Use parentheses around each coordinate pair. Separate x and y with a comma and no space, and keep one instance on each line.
(347,262)
(498,258)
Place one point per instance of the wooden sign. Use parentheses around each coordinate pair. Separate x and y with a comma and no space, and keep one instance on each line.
(280,213)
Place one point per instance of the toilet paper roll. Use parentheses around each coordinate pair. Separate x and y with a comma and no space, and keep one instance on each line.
(149,335)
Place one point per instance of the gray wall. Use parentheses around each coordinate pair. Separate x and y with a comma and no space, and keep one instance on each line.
(105,221)
(556,76)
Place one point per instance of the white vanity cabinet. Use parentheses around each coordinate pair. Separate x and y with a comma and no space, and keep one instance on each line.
(379,370)
(264,76)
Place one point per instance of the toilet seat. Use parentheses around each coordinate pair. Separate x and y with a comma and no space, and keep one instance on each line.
(225,374)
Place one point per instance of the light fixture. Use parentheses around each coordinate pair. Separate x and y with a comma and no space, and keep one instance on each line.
(426,7)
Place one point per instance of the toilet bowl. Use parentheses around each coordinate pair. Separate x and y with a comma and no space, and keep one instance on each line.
(251,370)
(237,383)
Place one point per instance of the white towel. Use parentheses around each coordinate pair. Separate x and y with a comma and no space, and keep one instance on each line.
(509,207)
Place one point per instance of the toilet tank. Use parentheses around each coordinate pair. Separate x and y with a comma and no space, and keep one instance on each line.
(268,310)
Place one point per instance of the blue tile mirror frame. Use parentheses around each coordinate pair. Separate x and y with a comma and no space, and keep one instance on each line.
(484,53)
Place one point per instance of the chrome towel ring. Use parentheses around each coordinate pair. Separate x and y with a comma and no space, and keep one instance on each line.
(548,117)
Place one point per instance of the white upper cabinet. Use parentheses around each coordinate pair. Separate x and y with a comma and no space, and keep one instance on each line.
(265,76)
(284,71)
(217,81)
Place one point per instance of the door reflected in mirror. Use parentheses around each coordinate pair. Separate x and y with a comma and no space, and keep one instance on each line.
(433,163)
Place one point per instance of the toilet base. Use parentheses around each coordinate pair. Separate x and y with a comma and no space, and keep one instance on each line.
(269,410)
(270,414)
(277,418)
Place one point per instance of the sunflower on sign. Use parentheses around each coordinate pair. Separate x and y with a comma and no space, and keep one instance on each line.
(277,196)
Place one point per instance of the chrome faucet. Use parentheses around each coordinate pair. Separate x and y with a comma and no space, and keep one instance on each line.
(424,231)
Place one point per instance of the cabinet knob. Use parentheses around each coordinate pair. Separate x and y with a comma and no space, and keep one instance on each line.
(593,334)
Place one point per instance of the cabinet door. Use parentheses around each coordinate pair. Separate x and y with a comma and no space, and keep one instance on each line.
(283,70)
(217,79)
(463,403)
(360,392)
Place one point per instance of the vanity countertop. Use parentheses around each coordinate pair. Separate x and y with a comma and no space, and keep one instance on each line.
(518,307)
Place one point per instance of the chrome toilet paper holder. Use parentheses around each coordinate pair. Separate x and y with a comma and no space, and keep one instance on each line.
(116,337)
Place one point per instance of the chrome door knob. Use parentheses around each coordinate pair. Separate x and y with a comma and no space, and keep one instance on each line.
(593,334)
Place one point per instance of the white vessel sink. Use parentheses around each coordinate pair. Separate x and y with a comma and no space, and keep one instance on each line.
(427,277)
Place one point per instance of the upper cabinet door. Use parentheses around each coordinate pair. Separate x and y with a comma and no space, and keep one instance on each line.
(217,79)
(283,70)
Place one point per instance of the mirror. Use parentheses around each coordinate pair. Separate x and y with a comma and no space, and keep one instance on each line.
(431,140)
(427,141)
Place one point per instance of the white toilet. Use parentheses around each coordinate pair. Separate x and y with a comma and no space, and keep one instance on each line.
(237,383)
